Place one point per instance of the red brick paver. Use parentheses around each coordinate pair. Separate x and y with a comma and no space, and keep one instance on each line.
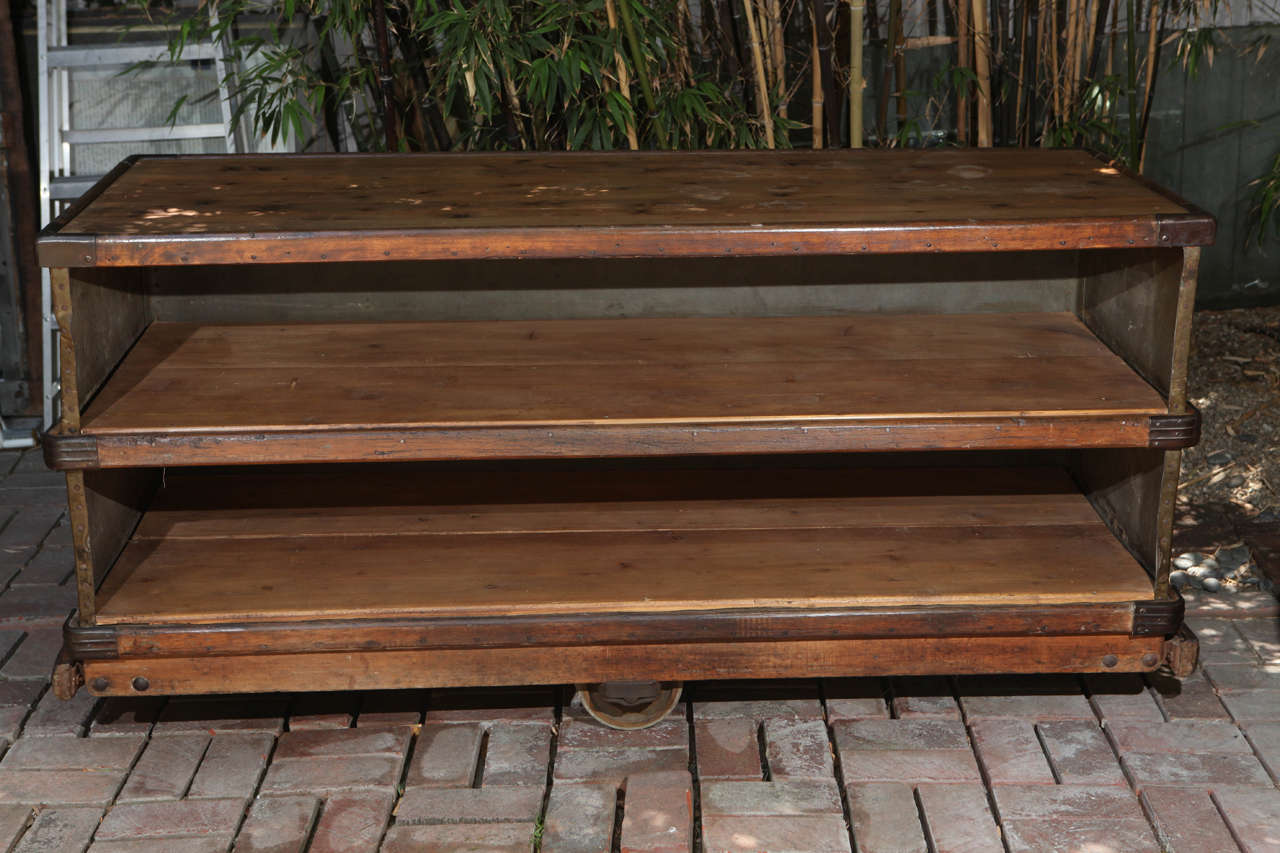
(903,765)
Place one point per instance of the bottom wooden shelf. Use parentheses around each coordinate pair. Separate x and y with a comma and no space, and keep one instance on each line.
(396,543)
(360,577)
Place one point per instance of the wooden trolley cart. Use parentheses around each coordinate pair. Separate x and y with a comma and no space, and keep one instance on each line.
(350,422)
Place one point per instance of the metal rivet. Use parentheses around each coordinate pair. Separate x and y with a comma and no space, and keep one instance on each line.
(141,684)
(100,684)
(1110,661)
(1150,659)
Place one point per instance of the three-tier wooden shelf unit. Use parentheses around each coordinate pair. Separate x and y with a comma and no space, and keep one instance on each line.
(351,422)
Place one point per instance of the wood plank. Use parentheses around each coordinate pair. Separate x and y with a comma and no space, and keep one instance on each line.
(577,441)
(341,207)
(109,310)
(383,670)
(549,556)
(219,380)
(593,629)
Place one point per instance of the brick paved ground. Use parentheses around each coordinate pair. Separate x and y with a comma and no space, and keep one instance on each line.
(1120,764)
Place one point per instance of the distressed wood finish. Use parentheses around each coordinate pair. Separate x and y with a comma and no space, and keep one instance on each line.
(658,662)
(721,626)
(1053,349)
(243,394)
(204,210)
(898,540)
(577,441)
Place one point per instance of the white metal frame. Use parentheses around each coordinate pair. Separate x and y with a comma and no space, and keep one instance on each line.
(58,186)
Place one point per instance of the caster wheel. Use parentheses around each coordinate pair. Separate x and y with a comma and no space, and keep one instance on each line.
(630,704)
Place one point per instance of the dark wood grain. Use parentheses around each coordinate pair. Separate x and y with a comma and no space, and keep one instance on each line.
(625,387)
(146,640)
(401,553)
(576,441)
(201,210)
(384,670)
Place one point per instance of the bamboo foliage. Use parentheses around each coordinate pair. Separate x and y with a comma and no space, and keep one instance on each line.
(571,74)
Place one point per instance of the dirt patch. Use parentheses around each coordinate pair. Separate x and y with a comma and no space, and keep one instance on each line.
(1230,486)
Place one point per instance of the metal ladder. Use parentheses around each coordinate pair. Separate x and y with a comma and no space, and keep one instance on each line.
(58,185)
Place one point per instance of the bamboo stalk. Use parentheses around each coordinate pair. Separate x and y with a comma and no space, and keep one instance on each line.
(892,38)
(1072,12)
(856,10)
(815,58)
(1090,43)
(762,87)
(1153,27)
(685,27)
(921,42)
(624,80)
(642,73)
(963,61)
(1055,67)
(1153,68)
(1082,48)
(1022,71)
(761,10)
(1131,82)
(1115,28)
(900,68)
(982,62)
(386,82)
(779,52)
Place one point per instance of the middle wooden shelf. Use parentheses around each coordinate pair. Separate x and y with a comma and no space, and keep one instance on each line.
(242,394)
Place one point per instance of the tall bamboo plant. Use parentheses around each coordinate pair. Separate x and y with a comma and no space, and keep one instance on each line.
(600,74)
(504,74)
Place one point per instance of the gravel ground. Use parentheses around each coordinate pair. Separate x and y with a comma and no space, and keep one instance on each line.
(1231,480)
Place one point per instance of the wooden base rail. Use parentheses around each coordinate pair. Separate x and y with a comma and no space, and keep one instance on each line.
(108,642)
(400,669)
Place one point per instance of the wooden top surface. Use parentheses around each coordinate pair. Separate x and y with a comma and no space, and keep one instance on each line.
(293,208)
(395,542)
(187,378)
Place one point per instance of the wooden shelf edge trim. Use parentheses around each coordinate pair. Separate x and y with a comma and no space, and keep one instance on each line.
(105,642)
(86,250)
(76,451)
(393,669)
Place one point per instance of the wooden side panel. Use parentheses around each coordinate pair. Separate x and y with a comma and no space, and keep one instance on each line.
(385,670)
(1124,487)
(1140,304)
(110,310)
(1129,298)
(105,507)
